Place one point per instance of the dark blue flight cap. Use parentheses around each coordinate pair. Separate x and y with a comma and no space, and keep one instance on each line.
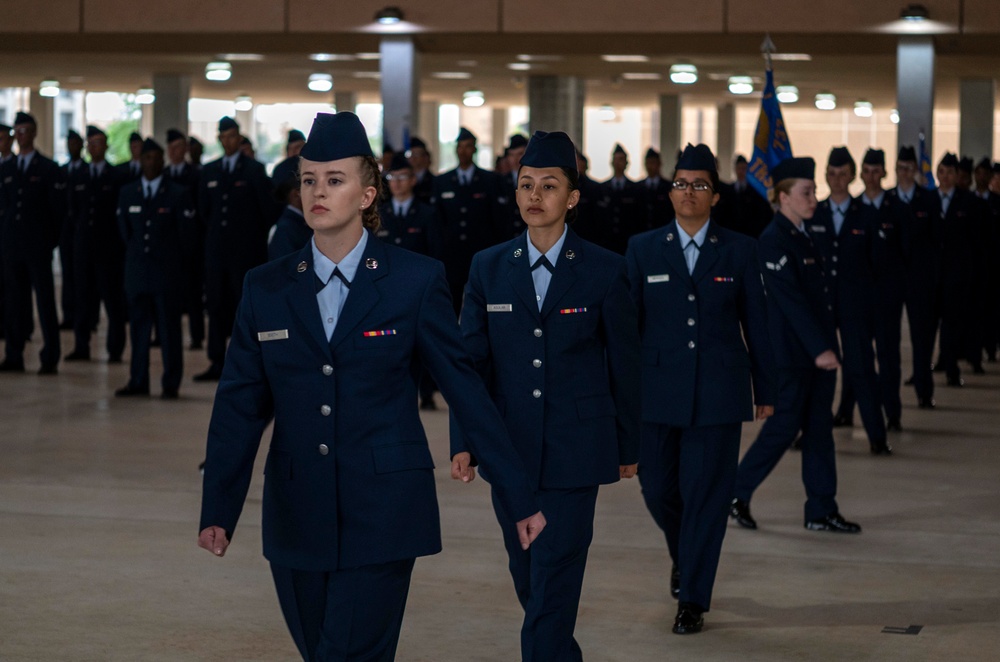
(73,135)
(517,141)
(996,168)
(984,163)
(874,157)
(907,153)
(93,131)
(697,157)
(400,162)
(336,136)
(150,145)
(652,154)
(174,134)
(840,156)
(619,149)
(24,118)
(134,137)
(741,160)
(227,123)
(417,142)
(296,136)
(6,129)
(194,141)
(799,167)
(949,160)
(465,134)
(550,150)
(246,141)
(965,165)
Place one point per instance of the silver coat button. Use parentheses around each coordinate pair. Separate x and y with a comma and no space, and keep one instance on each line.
(690,321)
(833,272)
(690,297)
(691,344)
(537,363)
(834,258)
(536,393)
(325,410)
(328,370)
(538,333)
(324,449)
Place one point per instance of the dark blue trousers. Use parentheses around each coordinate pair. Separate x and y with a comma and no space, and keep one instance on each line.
(921,312)
(349,615)
(163,310)
(24,272)
(99,278)
(888,337)
(687,477)
(860,383)
(805,402)
(548,578)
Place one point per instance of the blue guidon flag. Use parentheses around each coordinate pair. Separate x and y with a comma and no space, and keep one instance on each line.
(926,169)
(770,143)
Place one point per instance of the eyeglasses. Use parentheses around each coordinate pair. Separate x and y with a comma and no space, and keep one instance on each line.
(697,186)
(399,177)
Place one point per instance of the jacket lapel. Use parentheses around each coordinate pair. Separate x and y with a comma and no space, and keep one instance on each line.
(564,275)
(708,254)
(520,274)
(364,293)
(302,301)
(674,253)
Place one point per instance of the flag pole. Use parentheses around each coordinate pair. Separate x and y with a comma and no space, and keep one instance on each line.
(767,48)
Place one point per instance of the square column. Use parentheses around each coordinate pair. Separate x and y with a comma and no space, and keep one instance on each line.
(555,103)
(975,112)
(915,91)
(670,129)
(170,109)
(400,68)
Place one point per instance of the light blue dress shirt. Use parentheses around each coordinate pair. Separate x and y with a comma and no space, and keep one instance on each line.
(692,245)
(332,297)
(876,202)
(150,187)
(542,276)
(839,213)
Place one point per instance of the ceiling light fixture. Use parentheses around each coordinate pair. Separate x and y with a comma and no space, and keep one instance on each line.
(826,101)
(244,103)
(330,57)
(389,16)
(49,88)
(625,58)
(740,85)
(519,66)
(473,98)
(684,74)
(894,116)
(864,108)
(218,71)
(787,93)
(368,56)
(914,12)
(320,82)
(791,57)
(640,75)
(451,75)
(606,113)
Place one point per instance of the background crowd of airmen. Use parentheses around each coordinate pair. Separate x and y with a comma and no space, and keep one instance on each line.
(163,236)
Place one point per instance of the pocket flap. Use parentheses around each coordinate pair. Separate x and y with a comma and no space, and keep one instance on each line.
(402,457)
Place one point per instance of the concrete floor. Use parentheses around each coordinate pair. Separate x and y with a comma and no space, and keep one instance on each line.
(99,502)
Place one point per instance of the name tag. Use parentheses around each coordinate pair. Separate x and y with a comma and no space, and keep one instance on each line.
(499,308)
(213,183)
(808,260)
(817,228)
(659,278)
(135,209)
(81,187)
(281,334)
(447,195)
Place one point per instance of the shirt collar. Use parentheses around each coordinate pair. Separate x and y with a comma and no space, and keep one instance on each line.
(230,160)
(698,238)
(295,209)
(551,255)
(154,184)
(26,158)
(874,202)
(467,172)
(908,194)
(324,266)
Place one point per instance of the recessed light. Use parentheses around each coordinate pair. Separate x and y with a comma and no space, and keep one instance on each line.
(625,58)
(473,98)
(367,74)
(787,93)
(519,66)
(606,113)
(915,12)
(540,58)
(389,16)
(49,88)
(241,57)
(741,85)
(791,57)
(639,75)
(894,116)
(451,75)
(218,71)
(826,101)
(368,56)
(145,96)
(244,103)
(684,74)
(320,82)
(864,108)
(331,57)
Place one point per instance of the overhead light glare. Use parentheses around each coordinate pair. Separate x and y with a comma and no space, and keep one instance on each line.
(625,58)
(740,85)
(473,98)
(787,93)
(451,75)
(864,108)
(331,57)
(519,66)
(244,103)
(145,96)
(320,82)
(684,74)
(894,116)
(826,101)
(606,113)
(791,57)
(642,75)
(218,71)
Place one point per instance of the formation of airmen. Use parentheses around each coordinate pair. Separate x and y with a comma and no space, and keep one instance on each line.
(162,236)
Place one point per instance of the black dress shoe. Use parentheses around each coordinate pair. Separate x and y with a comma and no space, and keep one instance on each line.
(893,425)
(211,375)
(842,421)
(689,619)
(909,381)
(115,359)
(49,369)
(739,510)
(797,444)
(170,394)
(834,523)
(10,366)
(675,583)
(195,344)
(66,326)
(978,369)
(129,390)
(956,382)
(926,403)
(77,355)
(937,367)
(881,448)
(428,404)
